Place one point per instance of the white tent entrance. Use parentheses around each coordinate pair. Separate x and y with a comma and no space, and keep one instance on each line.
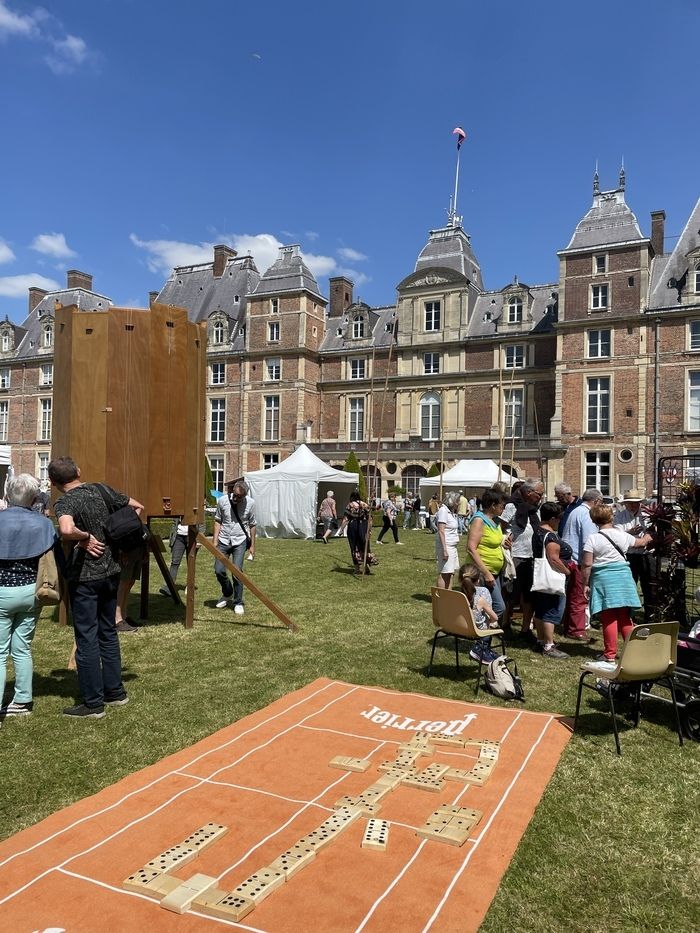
(471,476)
(287,496)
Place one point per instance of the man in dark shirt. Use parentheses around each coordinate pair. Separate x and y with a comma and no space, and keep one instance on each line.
(92,586)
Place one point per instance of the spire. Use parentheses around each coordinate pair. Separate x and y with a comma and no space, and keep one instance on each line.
(596,180)
(621,183)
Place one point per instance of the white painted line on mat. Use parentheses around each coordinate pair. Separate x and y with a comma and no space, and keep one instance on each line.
(162,777)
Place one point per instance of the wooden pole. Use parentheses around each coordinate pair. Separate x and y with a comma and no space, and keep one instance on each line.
(246,581)
(501,413)
(442,440)
(192,532)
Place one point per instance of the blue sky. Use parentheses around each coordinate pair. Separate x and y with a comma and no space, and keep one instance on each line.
(136,134)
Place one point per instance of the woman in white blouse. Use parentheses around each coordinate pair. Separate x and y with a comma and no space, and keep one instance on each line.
(607,578)
(447,540)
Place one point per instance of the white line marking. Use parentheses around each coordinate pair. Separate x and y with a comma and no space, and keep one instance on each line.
(162,777)
(490,820)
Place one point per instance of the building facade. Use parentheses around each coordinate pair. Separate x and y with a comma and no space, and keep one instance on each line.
(590,378)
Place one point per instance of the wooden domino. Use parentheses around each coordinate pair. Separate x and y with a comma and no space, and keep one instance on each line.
(480,772)
(229,907)
(435,770)
(260,885)
(376,835)
(374,793)
(452,835)
(349,764)
(152,883)
(444,738)
(392,778)
(488,743)
(181,898)
(394,764)
(293,860)
(457,774)
(424,782)
(205,836)
(423,748)
(172,858)
(450,824)
(488,752)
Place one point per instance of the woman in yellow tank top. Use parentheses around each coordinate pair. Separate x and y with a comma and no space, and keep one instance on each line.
(485,545)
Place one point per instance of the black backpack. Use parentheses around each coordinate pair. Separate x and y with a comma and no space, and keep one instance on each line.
(124,530)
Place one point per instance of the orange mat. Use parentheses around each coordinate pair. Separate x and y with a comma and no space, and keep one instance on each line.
(267,779)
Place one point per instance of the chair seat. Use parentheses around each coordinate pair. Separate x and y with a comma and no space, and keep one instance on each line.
(486,632)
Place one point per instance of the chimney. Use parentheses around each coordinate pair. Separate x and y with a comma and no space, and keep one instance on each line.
(152,297)
(222,254)
(658,219)
(35,296)
(77,279)
(341,295)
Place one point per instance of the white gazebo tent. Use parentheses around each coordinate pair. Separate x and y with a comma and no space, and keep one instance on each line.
(287,496)
(471,476)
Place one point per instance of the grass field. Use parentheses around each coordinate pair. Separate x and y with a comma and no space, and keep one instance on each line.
(613,846)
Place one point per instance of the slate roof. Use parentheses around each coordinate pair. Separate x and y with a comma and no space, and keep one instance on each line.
(195,288)
(674,265)
(30,343)
(486,316)
(450,247)
(288,273)
(609,222)
(378,336)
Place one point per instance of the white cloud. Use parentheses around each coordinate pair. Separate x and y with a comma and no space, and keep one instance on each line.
(350,255)
(320,265)
(356,277)
(163,255)
(16,24)
(312,235)
(66,52)
(6,254)
(52,244)
(15,286)
(263,247)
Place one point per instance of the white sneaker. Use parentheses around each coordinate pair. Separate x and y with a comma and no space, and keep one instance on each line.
(222,603)
(602,666)
(238,609)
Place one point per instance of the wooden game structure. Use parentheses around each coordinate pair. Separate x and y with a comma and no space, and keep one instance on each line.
(129,408)
(447,824)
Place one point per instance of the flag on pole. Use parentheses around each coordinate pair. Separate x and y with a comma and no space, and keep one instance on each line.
(461,136)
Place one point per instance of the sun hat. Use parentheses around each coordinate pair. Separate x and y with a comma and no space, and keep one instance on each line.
(633,495)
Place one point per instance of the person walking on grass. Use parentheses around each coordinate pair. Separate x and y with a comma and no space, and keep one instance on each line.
(327,514)
(389,519)
(234,534)
(93,578)
(24,536)
(407,511)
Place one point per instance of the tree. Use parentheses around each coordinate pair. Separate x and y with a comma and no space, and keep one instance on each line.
(208,483)
(352,466)
(434,470)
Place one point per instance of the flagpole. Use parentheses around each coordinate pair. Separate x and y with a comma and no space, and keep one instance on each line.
(454,201)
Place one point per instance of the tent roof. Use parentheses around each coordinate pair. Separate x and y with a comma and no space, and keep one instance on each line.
(303,464)
(470,473)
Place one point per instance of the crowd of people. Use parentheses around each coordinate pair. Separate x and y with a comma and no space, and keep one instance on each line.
(596,553)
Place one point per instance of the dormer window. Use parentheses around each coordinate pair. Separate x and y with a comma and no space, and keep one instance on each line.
(47,336)
(218,332)
(432,315)
(515,310)
(358,327)
(5,342)
(696,278)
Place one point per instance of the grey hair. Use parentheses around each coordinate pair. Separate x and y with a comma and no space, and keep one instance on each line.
(590,495)
(451,500)
(22,490)
(242,486)
(530,485)
(563,488)
(330,492)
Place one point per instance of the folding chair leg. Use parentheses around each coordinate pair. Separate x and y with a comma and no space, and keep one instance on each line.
(432,653)
(637,715)
(675,710)
(614,722)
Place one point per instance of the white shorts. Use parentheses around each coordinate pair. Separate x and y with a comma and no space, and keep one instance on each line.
(452,562)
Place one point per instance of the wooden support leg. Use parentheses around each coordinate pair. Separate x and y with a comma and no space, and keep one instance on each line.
(247,582)
(145,575)
(192,532)
(164,569)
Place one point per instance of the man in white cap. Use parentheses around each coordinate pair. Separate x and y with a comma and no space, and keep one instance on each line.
(632,520)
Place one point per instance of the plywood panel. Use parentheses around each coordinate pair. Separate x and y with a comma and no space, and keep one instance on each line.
(195,415)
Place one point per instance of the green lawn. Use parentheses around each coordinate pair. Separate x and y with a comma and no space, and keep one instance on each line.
(614,844)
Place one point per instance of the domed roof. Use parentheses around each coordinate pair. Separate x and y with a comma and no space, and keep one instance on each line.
(450,247)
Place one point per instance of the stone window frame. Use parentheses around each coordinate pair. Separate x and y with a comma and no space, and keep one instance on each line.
(598,424)
(4,420)
(46,374)
(217,463)
(270,460)
(432,316)
(430,412)
(356,418)
(358,327)
(599,356)
(217,406)
(523,356)
(596,260)
(512,426)
(44,421)
(273,332)
(7,339)
(217,330)
(5,377)
(594,480)
(358,371)
(515,307)
(273,369)
(274,306)
(692,400)
(597,290)
(47,334)
(696,277)
(215,370)
(271,417)
(432,368)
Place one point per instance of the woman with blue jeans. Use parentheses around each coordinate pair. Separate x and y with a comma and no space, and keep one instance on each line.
(24,536)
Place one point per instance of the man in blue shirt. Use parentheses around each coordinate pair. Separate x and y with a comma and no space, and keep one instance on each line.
(578,529)
(568,501)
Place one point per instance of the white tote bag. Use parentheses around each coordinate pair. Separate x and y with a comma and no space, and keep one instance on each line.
(545,579)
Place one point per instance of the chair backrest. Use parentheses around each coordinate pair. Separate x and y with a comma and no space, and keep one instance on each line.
(649,652)
(452,613)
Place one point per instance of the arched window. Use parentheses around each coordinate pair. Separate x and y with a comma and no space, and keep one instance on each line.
(697,278)
(358,327)
(515,310)
(410,479)
(218,332)
(5,342)
(47,335)
(430,417)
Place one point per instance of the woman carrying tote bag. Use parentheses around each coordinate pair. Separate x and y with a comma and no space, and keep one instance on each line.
(551,558)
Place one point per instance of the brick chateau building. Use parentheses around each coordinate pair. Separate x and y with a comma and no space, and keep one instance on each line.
(589,378)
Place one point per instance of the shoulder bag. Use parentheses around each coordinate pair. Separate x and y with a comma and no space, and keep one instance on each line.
(618,549)
(48,591)
(545,579)
(234,511)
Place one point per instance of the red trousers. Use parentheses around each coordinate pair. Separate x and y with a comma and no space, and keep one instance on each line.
(614,621)
(574,621)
